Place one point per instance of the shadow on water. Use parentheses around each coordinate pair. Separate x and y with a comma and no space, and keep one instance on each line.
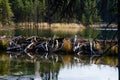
(19,66)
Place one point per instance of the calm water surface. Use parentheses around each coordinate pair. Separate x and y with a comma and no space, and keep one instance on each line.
(93,72)
(87,33)
(15,66)
(19,66)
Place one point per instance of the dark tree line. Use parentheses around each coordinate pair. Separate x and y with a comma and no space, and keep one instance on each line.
(85,11)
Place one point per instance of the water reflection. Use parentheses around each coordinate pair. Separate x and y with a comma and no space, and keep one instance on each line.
(26,32)
(62,32)
(67,67)
(92,72)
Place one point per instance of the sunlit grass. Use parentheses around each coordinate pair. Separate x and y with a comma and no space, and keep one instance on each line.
(63,27)
(43,29)
(52,25)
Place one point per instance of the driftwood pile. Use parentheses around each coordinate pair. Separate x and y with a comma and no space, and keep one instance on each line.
(55,45)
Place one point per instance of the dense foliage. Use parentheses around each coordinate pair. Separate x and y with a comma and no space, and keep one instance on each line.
(85,11)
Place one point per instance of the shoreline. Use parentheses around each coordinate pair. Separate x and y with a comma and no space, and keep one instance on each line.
(44,25)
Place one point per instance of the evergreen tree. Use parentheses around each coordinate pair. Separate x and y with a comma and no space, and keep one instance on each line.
(5,11)
(28,10)
(90,12)
(86,11)
(0,10)
(108,10)
(18,9)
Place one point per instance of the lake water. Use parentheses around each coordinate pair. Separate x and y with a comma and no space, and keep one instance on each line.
(19,66)
(60,32)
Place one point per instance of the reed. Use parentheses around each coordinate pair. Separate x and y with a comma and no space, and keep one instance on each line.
(4,43)
(74,27)
(67,27)
(113,50)
(97,47)
(67,45)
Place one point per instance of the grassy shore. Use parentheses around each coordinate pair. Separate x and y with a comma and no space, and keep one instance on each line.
(64,27)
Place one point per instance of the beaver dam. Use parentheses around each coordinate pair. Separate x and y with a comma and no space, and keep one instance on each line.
(76,45)
(41,58)
(58,54)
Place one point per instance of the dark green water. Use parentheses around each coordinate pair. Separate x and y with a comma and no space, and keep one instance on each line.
(19,66)
(36,32)
(87,33)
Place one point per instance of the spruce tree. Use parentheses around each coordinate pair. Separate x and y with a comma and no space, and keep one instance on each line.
(5,11)
(18,9)
(0,10)
(90,12)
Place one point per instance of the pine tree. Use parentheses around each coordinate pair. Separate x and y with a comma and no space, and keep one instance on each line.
(108,10)
(18,9)
(6,12)
(0,10)
(28,10)
(90,11)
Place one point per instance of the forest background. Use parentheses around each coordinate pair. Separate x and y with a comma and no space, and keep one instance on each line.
(58,11)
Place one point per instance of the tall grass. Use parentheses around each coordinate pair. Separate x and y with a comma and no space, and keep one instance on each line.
(89,33)
(44,29)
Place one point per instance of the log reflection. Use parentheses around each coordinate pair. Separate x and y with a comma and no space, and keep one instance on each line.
(46,69)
